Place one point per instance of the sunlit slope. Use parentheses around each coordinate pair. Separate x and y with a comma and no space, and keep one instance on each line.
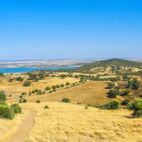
(88,93)
(73,123)
(70,123)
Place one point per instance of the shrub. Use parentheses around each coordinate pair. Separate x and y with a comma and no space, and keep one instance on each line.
(125,102)
(131,106)
(137,108)
(38,101)
(24,100)
(86,107)
(62,85)
(111,106)
(47,88)
(66,100)
(20,79)
(6,112)
(67,83)
(27,83)
(124,93)
(16,108)
(110,85)
(113,93)
(46,107)
(2,97)
(133,84)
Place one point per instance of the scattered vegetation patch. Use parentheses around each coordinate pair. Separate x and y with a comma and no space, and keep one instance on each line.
(137,108)
(38,101)
(27,83)
(111,105)
(46,107)
(66,100)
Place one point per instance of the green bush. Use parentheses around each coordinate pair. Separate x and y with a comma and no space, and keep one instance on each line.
(125,102)
(48,88)
(137,108)
(111,106)
(27,83)
(124,93)
(38,101)
(24,100)
(113,93)
(131,106)
(16,108)
(46,107)
(6,112)
(62,85)
(2,97)
(66,100)
(110,85)
(133,84)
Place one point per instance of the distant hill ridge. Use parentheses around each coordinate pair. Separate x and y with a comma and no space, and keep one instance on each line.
(110,62)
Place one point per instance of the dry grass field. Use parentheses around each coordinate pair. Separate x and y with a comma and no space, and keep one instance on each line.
(15,88)
(66,122)
(70,123)
(88,93)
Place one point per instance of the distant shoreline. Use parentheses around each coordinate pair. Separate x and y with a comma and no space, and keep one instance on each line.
(20,70)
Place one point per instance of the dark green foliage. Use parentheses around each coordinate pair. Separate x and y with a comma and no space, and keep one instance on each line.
(20,79)
(124,93)
(1,75)
(24,100)
(111,106)
(131,106)
(53,87)
(46,107)
(125,77)
(137,108)
(66,100)
(110,85)
(47,88)
(125,102)
(113,93)
(133,84)
(62,85)
(67,83)
(27,83)
(16,108)
(38,101)
(6,112)
(2,97)
(115,62)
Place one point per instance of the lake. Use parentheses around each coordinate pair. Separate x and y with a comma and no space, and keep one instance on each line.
(30,69)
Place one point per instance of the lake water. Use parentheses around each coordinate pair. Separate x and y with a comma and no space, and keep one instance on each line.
(30,69)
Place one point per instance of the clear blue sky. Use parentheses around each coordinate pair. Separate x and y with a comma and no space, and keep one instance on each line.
(50,29)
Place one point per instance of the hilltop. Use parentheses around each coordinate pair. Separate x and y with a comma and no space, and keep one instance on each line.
(111,62)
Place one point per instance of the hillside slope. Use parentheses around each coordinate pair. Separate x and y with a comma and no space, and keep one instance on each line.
(71,123)
(110,62)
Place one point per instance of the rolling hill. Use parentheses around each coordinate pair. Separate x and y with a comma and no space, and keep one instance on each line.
(110,62)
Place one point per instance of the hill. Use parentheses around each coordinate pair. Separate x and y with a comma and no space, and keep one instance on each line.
(110,62)
(72,123)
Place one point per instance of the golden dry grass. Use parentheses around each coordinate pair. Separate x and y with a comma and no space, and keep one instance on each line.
(73,123)
(70,123)
(15,88)
(88,93)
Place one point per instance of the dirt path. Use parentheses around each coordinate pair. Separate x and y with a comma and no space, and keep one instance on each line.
(24,128)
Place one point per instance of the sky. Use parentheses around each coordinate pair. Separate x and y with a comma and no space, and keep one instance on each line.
(70,29)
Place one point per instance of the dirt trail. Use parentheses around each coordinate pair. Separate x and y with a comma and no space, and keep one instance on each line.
(24,128)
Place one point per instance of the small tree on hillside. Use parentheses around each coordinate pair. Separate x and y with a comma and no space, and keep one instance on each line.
(2,97)
(113,93)
(133,84)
